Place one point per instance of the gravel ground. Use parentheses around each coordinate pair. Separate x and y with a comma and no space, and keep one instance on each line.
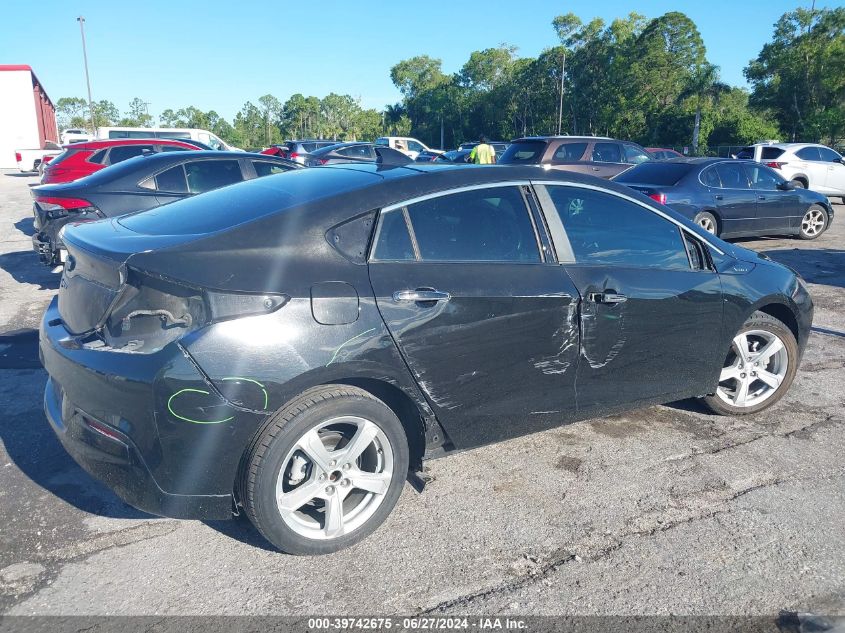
(663,510)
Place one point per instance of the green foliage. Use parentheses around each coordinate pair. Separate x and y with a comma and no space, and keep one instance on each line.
(137,115)
(800,74)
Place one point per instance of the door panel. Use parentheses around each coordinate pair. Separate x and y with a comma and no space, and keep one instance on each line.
(736,201)
(498,358)
(653,345)
(775,208)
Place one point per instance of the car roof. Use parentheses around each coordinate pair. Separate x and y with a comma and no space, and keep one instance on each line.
(552,137)
(112,142)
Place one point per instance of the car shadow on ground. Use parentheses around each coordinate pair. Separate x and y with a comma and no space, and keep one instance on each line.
(36,451)
(242,530)
(26,226)
(30,174)
(817,266)
(25,268)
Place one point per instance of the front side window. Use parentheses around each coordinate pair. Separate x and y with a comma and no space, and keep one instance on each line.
(762,177)
(356,151)
(607,153)
(125,152)
(480,225)
(414,146)
(606,230)
(732,176)
(211,174)
(570,152)
(635,156)
(173,148)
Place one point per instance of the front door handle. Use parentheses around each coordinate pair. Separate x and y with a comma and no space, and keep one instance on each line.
(606,297)
(421,294)
(719,196)
(761,197)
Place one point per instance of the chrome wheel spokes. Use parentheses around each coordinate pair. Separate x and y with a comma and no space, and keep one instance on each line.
(708,225)
(813,222)
(754,369)
(334,478)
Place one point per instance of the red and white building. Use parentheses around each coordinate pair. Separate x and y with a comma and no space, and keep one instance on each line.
(27,116)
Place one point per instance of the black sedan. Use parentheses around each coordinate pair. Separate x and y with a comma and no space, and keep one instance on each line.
(294,345)
(355,152)
(140,183)
(732,198)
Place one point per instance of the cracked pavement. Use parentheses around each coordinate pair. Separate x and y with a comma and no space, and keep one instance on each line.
(657,511)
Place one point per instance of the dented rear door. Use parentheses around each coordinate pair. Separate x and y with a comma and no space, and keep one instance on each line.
(492,344)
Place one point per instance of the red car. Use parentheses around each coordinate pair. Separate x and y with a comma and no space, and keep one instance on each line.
(81,159)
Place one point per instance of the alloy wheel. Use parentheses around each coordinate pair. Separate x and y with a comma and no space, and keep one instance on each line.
(754,369)
(812,224)
(334,478)
(707,224)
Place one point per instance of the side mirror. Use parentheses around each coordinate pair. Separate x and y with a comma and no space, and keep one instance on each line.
(786,186)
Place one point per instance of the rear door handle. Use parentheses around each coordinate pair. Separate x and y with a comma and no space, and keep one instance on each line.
(606,297)
(761,197)
(421,294)
(719,196)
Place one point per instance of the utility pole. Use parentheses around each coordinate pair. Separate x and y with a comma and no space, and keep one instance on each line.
(560,106)
(441,131)
(81,21)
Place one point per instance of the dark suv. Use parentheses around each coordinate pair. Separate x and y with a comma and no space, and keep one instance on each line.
(594,155)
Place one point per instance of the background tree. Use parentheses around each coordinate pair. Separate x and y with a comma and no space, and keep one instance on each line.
(137,115)
(271,109)
(799,74)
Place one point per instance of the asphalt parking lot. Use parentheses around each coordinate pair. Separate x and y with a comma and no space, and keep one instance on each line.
(663,510)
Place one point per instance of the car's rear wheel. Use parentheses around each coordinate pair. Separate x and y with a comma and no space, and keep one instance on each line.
(758,369)
(325,471)
(813,223)
(707,221)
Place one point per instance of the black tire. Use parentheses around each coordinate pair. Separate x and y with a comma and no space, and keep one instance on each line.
(798,184)
(820,213)
(266,455)
(761,321)
(705,220)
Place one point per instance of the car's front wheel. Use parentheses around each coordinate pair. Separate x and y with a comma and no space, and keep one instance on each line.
(325,471)
(813,223)
(758,369)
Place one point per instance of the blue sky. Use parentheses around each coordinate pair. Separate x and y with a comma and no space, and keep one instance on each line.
(217,55)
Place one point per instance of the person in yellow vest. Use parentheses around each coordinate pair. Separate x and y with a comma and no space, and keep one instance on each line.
(482,154)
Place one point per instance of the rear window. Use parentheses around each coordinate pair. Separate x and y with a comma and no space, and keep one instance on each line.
(665,174)
(245,202)
(529,152)
(770,153)
(64,155)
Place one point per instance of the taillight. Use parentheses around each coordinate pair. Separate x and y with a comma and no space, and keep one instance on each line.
(293,156)
(775,164)
(65,203)
(323,161)
(18,157)
(46,159)
(659,197)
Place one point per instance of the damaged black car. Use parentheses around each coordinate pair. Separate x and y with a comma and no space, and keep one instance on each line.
(295,347)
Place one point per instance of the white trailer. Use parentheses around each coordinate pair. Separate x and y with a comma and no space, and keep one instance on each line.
(27,116)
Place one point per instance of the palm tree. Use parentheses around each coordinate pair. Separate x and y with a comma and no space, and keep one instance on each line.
(703,84)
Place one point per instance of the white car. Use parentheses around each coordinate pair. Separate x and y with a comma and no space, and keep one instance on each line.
(406,144)
(807,165)
(31,160)
(75,135)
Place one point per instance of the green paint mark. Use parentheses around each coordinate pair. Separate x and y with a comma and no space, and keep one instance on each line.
(345,343)
(255,382)
(182,417)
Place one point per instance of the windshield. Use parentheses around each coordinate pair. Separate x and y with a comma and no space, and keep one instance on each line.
(666,174)
(529,152)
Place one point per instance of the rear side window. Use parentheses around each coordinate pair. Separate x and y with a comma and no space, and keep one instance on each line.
(746,153)
(172,135)
(172,180)
(263,168)
(732,176)
(607,153)
(770,153)
(529,152)
(808,153)
(481,225)
(125,152)
(603,229)
(382,141)
(828,155)
(212,174)
(570,152)
(710,178)
(96,158)
(393,242)
(356,151)
(654,173)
